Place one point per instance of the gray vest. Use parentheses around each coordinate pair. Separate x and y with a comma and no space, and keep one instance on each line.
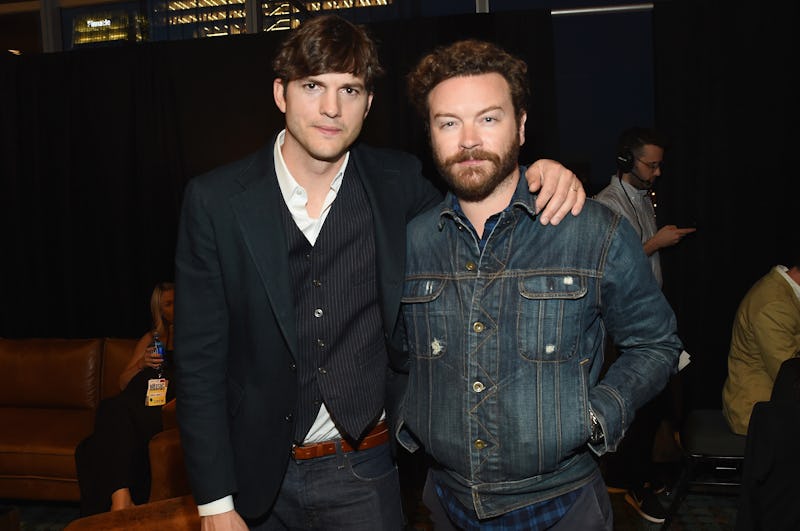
(342,357)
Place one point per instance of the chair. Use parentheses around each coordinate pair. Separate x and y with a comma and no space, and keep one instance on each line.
(712,457)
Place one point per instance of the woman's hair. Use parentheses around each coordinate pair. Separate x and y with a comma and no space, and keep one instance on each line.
(155,307)
(468,58)
(328,44)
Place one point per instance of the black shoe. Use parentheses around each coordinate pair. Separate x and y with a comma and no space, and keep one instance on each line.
(657,486)
(646,504)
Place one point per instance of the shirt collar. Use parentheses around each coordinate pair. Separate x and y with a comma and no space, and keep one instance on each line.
(631,189)
(287,183)
(782,271)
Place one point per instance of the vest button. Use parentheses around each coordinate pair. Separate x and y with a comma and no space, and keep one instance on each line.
(316,283)
(470,266)
(480,444)
(478,387)
(318,312)
(478,327)
(320,343)
(322,370)
(288,417)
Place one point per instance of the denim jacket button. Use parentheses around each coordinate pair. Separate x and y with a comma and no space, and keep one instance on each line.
(470,265)
(478,387)
(480,444)
(478,327)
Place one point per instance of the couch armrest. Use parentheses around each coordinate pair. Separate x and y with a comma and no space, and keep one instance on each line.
(169,416)
(168,477)
(174,514)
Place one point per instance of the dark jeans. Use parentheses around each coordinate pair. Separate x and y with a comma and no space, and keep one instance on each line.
(354,491)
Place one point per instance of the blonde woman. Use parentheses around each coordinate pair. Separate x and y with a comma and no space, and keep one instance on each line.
(113,462)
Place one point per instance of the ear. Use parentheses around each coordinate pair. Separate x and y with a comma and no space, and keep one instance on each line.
(522,120)
(369,104)
(279,94)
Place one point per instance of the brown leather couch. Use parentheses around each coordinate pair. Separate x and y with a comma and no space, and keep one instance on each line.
(49,392)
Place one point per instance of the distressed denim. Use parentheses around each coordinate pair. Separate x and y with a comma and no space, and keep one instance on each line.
(506,348)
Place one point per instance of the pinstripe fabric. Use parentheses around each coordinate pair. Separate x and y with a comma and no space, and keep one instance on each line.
(342,355)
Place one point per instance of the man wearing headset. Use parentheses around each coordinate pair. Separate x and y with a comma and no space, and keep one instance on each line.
(640,153)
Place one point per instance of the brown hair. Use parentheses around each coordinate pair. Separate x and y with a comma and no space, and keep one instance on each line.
(326,44)
(468,58)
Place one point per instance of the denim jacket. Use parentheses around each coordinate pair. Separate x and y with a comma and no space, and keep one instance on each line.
(506,348)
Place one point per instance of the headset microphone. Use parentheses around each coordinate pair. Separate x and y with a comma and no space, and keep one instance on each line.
(645,182)
(626,163)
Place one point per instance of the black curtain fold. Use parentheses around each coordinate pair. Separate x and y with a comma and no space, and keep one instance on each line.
(98,144)
(726,97)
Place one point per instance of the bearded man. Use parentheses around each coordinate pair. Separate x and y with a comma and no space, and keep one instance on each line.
(506,318)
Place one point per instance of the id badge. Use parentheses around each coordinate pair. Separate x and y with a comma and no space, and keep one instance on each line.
(156,392)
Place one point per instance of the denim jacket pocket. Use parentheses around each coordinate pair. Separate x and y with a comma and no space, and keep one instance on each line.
(424,311)
(549,314)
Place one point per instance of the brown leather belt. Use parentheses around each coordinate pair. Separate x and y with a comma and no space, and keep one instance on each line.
(379,435)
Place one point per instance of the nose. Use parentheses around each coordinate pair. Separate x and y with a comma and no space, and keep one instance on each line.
(329,104)
(469,137)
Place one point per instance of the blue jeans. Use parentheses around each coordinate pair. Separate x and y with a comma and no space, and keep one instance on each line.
(354,491)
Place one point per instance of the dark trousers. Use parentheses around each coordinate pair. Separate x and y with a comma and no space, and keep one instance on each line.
(353,491)
(631,465)
(116,454)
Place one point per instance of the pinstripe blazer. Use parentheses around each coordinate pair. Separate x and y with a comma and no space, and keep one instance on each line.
(235,321)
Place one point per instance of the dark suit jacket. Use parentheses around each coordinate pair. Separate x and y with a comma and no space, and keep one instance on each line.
(787,381)
(768,499)
(235,317)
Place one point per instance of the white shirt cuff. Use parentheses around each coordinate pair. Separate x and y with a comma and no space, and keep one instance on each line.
(222,505)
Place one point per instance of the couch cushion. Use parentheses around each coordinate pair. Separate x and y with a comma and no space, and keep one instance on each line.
(50,373)
(41,442)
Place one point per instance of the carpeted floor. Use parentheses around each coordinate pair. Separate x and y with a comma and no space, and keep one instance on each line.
(41,516)
(698,512)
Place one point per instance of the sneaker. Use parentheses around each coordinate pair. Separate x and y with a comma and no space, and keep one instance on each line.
(646,504)
(657,486)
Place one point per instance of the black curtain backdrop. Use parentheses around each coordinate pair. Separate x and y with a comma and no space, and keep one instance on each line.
(97,145)
(725,95)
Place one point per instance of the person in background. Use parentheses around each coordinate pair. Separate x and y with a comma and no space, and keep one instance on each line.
(289,269)
(766,332)
(640,155)
(113,463)
(506,318)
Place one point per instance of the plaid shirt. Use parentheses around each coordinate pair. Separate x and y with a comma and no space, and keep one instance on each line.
(535,517)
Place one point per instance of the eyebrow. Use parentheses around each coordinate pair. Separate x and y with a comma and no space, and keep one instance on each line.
(482,111)
(356,84)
